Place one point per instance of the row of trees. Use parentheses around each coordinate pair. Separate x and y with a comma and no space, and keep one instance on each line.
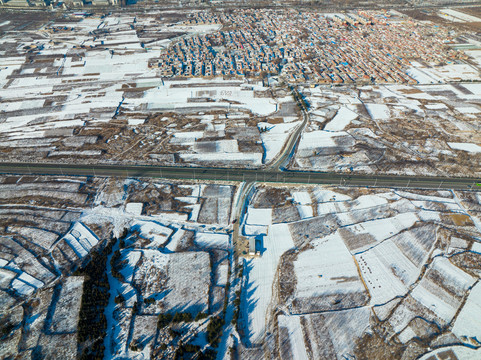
(167,318)
(92,325)
(186,351)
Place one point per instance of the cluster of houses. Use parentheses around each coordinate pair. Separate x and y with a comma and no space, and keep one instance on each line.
(306,46)
(55,4)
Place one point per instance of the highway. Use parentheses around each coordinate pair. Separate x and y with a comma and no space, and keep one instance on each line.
(248,175)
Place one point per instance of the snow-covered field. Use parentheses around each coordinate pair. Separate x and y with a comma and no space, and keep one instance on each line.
(188,283)
(469,147)
(379,128)
(464,326)
(163,263)
(100,70)
(457,16)
(293,327)
(378,111)
(444,73)
(343,118)
(170,96)
(328,260)
(327,269)
(260,273)
(65,317)
(377,253)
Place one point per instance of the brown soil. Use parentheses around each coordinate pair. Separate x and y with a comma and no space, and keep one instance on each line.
(461,219)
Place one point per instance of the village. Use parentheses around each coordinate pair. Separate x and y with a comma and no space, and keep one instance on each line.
(317,48)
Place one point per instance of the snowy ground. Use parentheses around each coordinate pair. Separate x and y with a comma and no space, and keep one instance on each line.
(401,256)
(328,260)
(111,105)
(260,273)
(383,128)
(168,263)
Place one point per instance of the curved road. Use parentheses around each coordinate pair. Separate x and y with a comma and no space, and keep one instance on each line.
(249,175)
(282,159)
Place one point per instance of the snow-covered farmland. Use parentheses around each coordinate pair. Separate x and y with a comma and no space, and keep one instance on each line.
(382,128)
(157,260)
(378,258)
(343,118)
(472,148)
(378,111)
(67,306)
(466,326)
(260,273)
(458,16)
(327,269)
(90,91)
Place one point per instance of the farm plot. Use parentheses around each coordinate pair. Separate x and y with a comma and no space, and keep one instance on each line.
(369,266)
(41,237)
(424,129)
(95,95)
(260,275)
(150,258)
(329,276)
(327,335)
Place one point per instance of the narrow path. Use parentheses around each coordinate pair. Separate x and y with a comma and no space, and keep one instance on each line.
(237,211)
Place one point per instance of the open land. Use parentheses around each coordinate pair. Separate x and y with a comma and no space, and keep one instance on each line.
(356,273)
(233,89)
(164,248)
(323,271)
(205,232)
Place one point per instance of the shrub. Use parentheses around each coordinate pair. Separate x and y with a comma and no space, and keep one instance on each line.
(119,299)
(5,330)
(149,301)
(174,333)
(201,316)
(182,317)
(164,320)
(214,330)
(209,354)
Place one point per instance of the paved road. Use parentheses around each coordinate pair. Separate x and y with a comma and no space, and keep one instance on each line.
(282,160)
(272,176)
